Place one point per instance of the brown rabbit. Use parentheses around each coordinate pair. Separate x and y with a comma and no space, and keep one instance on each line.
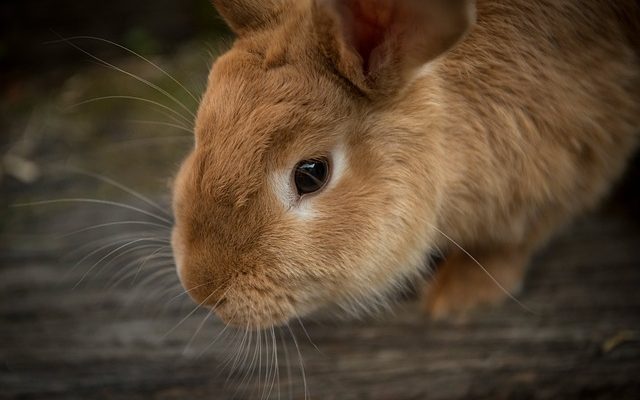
(339,143)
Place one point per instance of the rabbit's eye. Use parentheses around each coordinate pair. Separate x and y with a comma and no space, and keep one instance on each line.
(311,175)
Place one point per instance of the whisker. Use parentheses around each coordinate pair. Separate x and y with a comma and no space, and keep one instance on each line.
(108,255)
(143,296)
(304,377)
(190,290)
(196,308)
(226,327)
(118,185)
(114,223)
(240,352)
(210,313)
(267,367)
(144,142)
(126,273)
(248,333)
(232,356)
(271,363)
(136,99)
(498,284)
(153,255)
(174,122)
(94,201)
(276,376)
(140,57)
(307,334)
(260,335)
(155,275)
(110,241)
(161,270)
(134,76)
(248,371)
(162,123)
(231,351)
(287,363)
(172,283)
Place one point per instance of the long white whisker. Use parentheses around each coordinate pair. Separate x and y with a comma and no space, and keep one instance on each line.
(267,365)
(226,327)
(240,354)
(140,57)
(256,367)
(94,201)
(150,281)
(269,360)
(196,309)
(195,334)
(136,77)
(204,320)
(120,186)
(127,273)
(156,254)
(104,243)
(229,355)
(112,242)
(115,223)
(246,338)
(250,369)
(108,255)
(154,276)
(170,282)
(508,293)
(304,375)
(307,334)
(189,291)
(144,142)
(276,375)
(287,363)
(134,98)
(162,123)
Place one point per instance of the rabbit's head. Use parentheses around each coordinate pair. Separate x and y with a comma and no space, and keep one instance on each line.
(306,185)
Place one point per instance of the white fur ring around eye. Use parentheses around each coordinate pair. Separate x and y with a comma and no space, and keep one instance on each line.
(285,188)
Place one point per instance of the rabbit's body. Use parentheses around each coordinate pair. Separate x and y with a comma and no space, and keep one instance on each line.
(546,96)
(551,110)
(488,146)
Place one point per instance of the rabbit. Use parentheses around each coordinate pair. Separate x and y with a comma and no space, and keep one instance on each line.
(340,144)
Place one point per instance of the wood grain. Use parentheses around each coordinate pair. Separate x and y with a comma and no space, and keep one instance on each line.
(92,342)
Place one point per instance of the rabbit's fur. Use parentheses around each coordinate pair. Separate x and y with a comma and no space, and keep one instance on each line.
(450,125)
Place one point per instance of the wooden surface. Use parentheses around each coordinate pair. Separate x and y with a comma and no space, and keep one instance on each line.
(92,342)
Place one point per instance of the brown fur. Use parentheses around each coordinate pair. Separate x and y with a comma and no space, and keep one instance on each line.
(505,137)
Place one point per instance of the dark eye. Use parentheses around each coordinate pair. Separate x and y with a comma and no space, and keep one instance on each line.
(311,175)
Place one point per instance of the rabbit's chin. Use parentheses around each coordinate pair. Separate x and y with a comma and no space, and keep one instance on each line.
(256,319)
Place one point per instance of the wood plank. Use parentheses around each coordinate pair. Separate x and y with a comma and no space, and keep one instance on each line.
(59,341)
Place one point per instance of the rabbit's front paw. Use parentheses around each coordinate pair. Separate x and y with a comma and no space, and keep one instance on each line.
(463,284)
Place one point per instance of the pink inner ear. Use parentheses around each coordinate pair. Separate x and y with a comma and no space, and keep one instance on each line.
(370,23)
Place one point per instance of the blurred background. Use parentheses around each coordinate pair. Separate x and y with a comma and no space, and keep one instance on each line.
(96,108)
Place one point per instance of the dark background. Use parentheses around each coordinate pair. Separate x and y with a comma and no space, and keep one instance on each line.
(145,26)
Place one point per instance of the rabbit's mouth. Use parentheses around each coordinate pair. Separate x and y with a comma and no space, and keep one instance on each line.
(254,308)
(240,296)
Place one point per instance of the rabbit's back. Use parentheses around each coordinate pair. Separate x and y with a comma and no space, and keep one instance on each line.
(543,108)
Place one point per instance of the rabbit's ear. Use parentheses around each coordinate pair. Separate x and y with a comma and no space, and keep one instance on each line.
(379,44)
(247,15)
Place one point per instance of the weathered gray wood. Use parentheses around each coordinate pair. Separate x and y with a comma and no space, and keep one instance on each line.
(57,342)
